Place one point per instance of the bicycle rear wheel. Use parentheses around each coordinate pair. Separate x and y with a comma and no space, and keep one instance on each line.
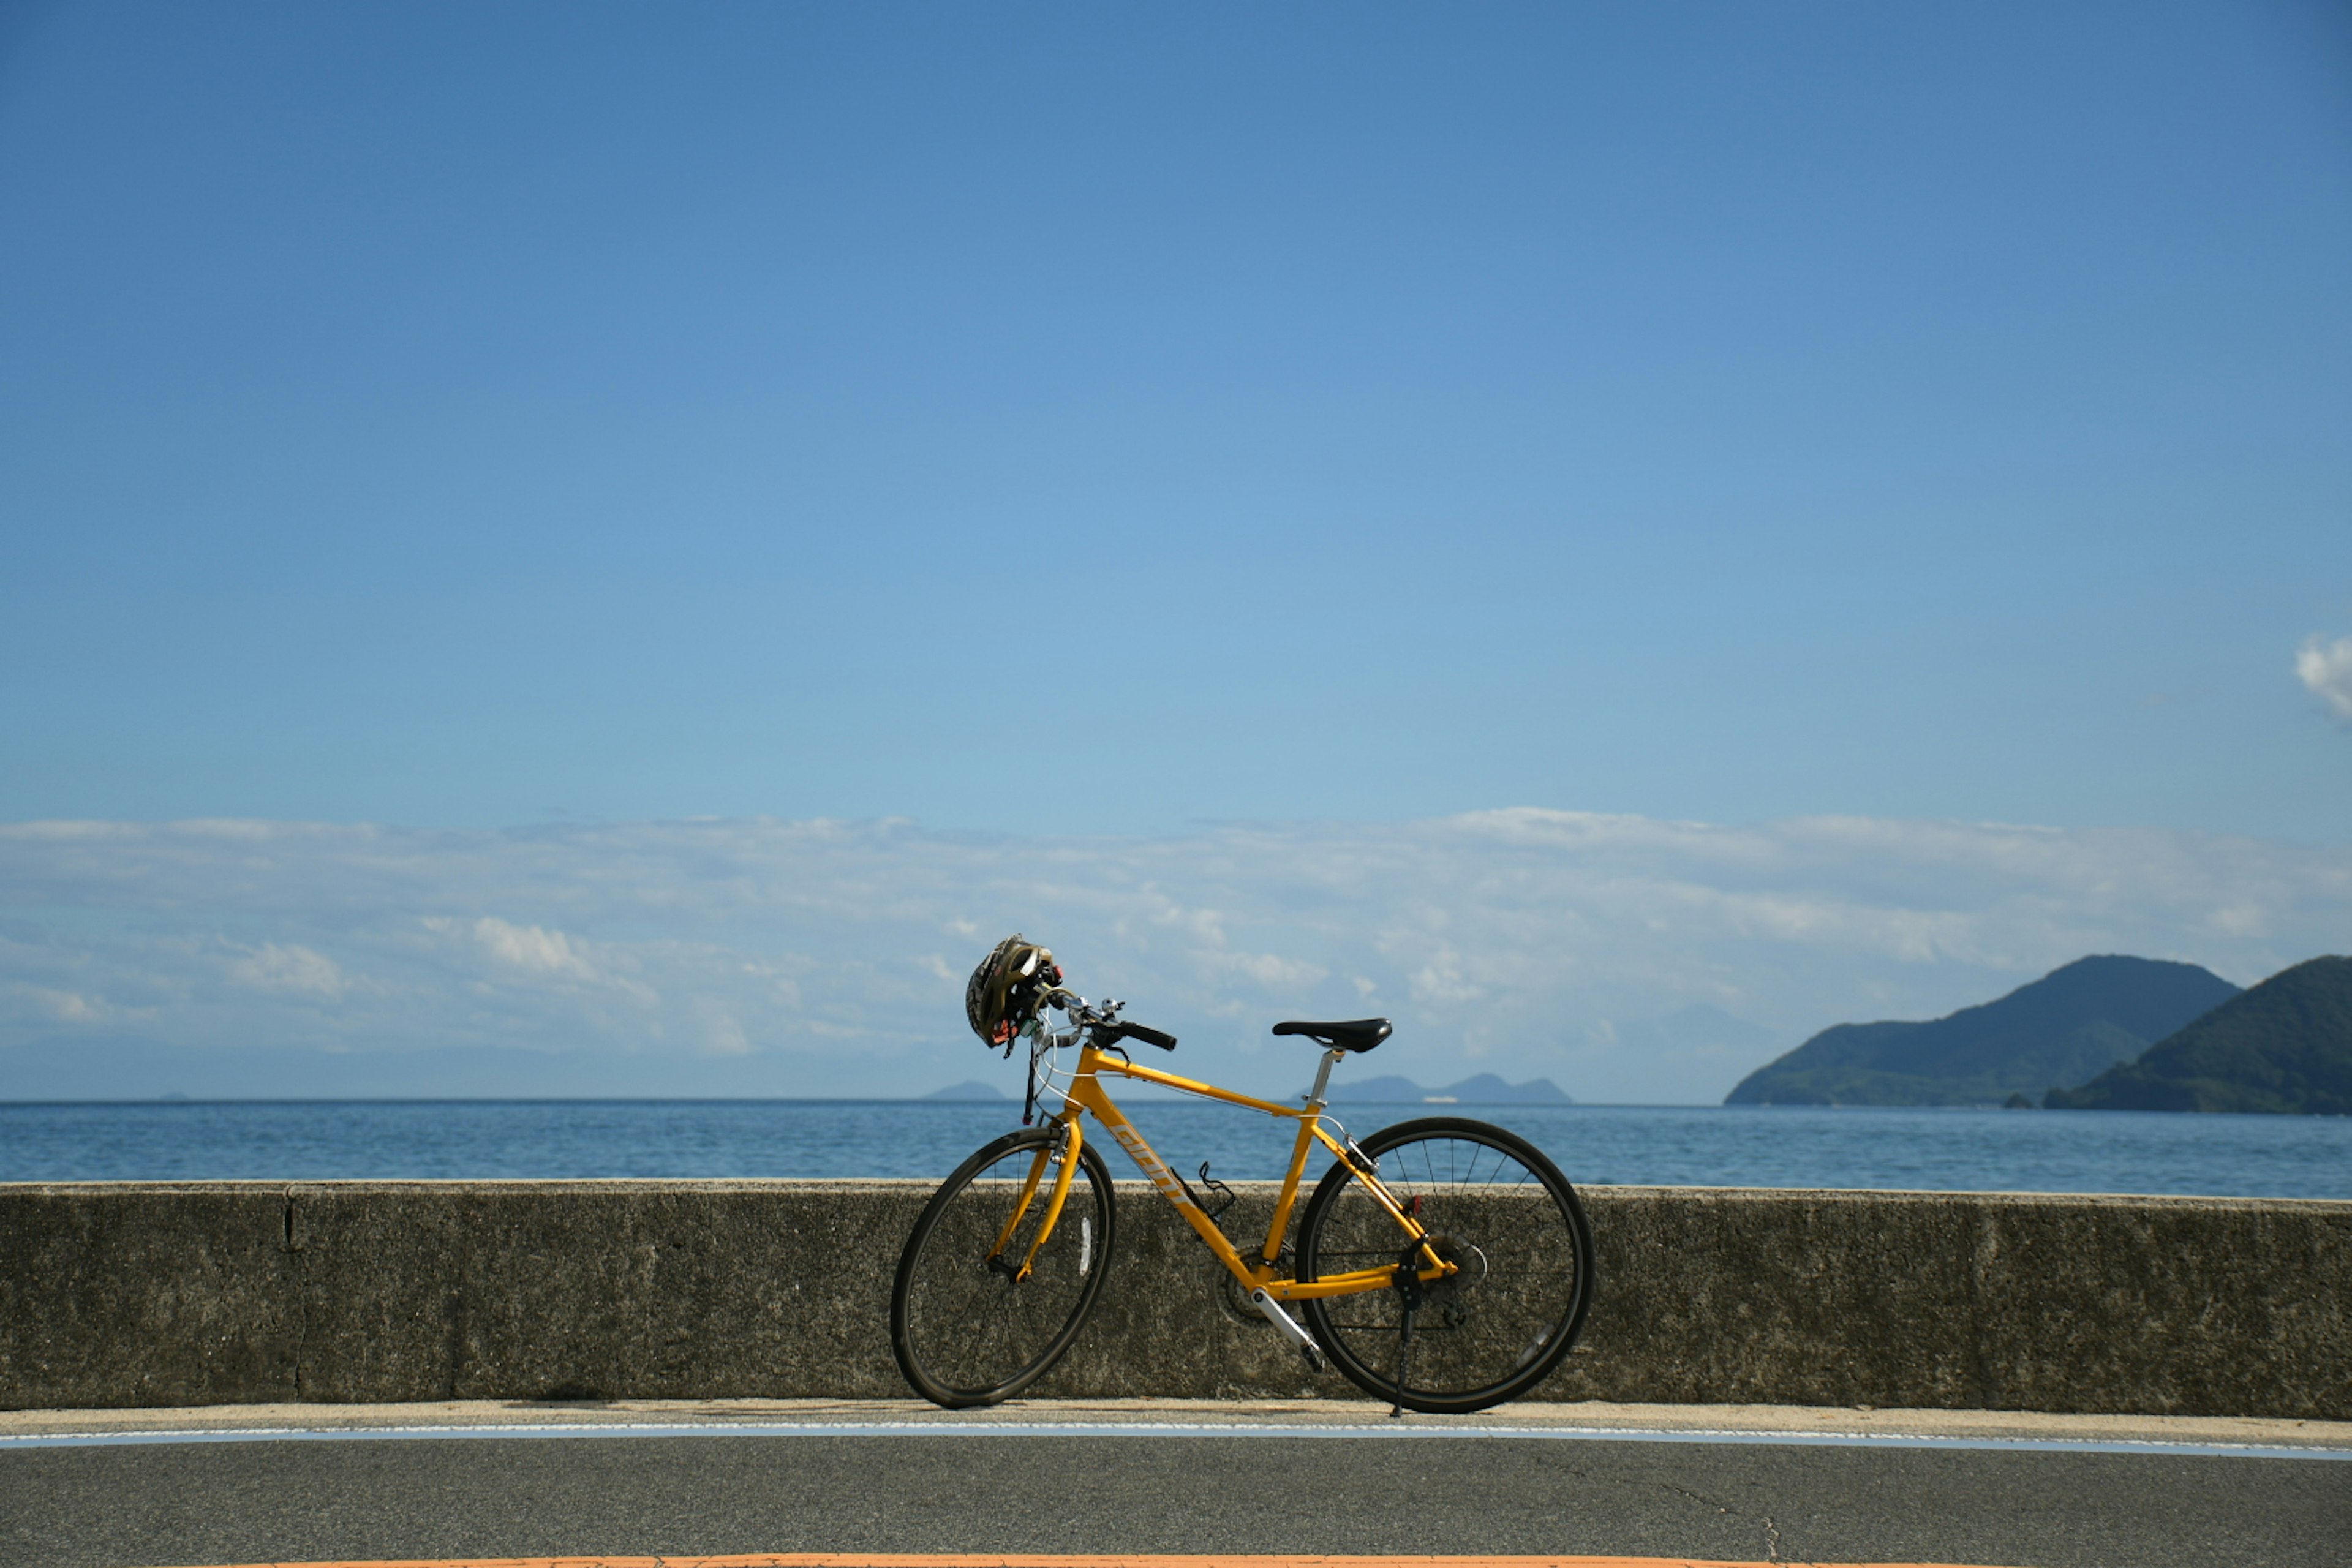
(1496,1208)
(965,1331)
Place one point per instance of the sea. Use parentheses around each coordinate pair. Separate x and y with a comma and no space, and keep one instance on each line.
(1931,1150)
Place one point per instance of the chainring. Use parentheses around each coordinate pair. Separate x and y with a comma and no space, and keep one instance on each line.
(1235,1300)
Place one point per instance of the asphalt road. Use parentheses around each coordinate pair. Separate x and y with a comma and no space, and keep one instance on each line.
(149,1505)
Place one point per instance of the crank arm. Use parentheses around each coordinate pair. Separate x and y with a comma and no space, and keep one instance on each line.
(1289,1327)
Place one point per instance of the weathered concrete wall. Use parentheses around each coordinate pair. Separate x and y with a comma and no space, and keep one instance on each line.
(129,1294)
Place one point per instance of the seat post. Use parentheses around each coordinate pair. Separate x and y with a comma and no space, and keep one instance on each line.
(1315,1100)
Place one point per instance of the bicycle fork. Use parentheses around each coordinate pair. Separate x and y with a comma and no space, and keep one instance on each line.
(1062,1150)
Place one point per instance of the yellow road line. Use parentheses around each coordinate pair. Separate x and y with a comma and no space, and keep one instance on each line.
(1066,1559)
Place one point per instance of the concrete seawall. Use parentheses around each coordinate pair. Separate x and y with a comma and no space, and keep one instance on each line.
(195,1293)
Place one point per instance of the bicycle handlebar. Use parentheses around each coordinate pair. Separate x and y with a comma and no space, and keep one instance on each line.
(1166,1042)
(1103,1019)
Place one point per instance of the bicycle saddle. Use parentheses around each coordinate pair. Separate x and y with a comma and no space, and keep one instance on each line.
(1360,1035)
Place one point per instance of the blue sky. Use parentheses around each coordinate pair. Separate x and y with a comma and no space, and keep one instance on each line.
(1068,422)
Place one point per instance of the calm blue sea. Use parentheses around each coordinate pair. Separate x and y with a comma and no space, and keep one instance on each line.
(1947,1151)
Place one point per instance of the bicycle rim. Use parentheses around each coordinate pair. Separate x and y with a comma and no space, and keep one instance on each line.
(1510,1221)
(964,1331)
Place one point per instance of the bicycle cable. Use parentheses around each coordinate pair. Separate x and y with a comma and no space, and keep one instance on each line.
(1046,1047)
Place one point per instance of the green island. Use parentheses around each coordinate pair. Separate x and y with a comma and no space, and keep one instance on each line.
(2283,1047)
(2071,1024)
(2134,1034)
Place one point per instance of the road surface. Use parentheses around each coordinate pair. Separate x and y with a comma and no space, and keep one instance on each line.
(515,1482)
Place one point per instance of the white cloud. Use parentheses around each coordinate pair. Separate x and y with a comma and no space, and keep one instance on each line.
(532,948)
(1441,979)
(292,967)
(722,1036)
(532,954)
(1270,970)
(813,952)
(2326,668)
(58,1007)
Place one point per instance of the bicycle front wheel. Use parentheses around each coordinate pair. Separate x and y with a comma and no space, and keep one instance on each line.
(966,1330)
(1497,1209)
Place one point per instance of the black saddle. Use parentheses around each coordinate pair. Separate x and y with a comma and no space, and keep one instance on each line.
(1362,1035)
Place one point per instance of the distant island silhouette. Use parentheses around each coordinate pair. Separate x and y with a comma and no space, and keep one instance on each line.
(970,1089)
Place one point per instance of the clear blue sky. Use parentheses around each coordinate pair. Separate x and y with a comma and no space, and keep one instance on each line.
(1040,417)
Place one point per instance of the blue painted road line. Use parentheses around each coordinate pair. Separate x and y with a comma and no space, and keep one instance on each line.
(1157,1429)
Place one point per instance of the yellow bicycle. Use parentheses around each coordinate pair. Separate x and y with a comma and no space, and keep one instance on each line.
(1442,1265)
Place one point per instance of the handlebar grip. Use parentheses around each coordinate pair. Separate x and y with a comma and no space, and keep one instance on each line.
(1149,1037)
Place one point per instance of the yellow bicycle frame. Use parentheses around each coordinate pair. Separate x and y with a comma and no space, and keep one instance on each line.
(1087,1094)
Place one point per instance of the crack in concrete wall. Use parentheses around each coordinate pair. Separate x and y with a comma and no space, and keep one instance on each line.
(293,1243)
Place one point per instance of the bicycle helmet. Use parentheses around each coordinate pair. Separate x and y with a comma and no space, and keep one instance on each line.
(1001,998)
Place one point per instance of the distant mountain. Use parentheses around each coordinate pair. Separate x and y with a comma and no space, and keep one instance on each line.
(2285,1046)
(1486,1089)
(970,1089)
(2068,1025)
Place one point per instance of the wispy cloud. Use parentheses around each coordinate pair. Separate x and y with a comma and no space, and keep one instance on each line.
(292,967)
(2326,668)
(827,957)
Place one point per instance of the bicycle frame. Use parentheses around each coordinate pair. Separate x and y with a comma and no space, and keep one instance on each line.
(1087,1094)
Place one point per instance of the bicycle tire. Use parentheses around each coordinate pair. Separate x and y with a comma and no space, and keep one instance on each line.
(1488,1335)
(964,1331)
